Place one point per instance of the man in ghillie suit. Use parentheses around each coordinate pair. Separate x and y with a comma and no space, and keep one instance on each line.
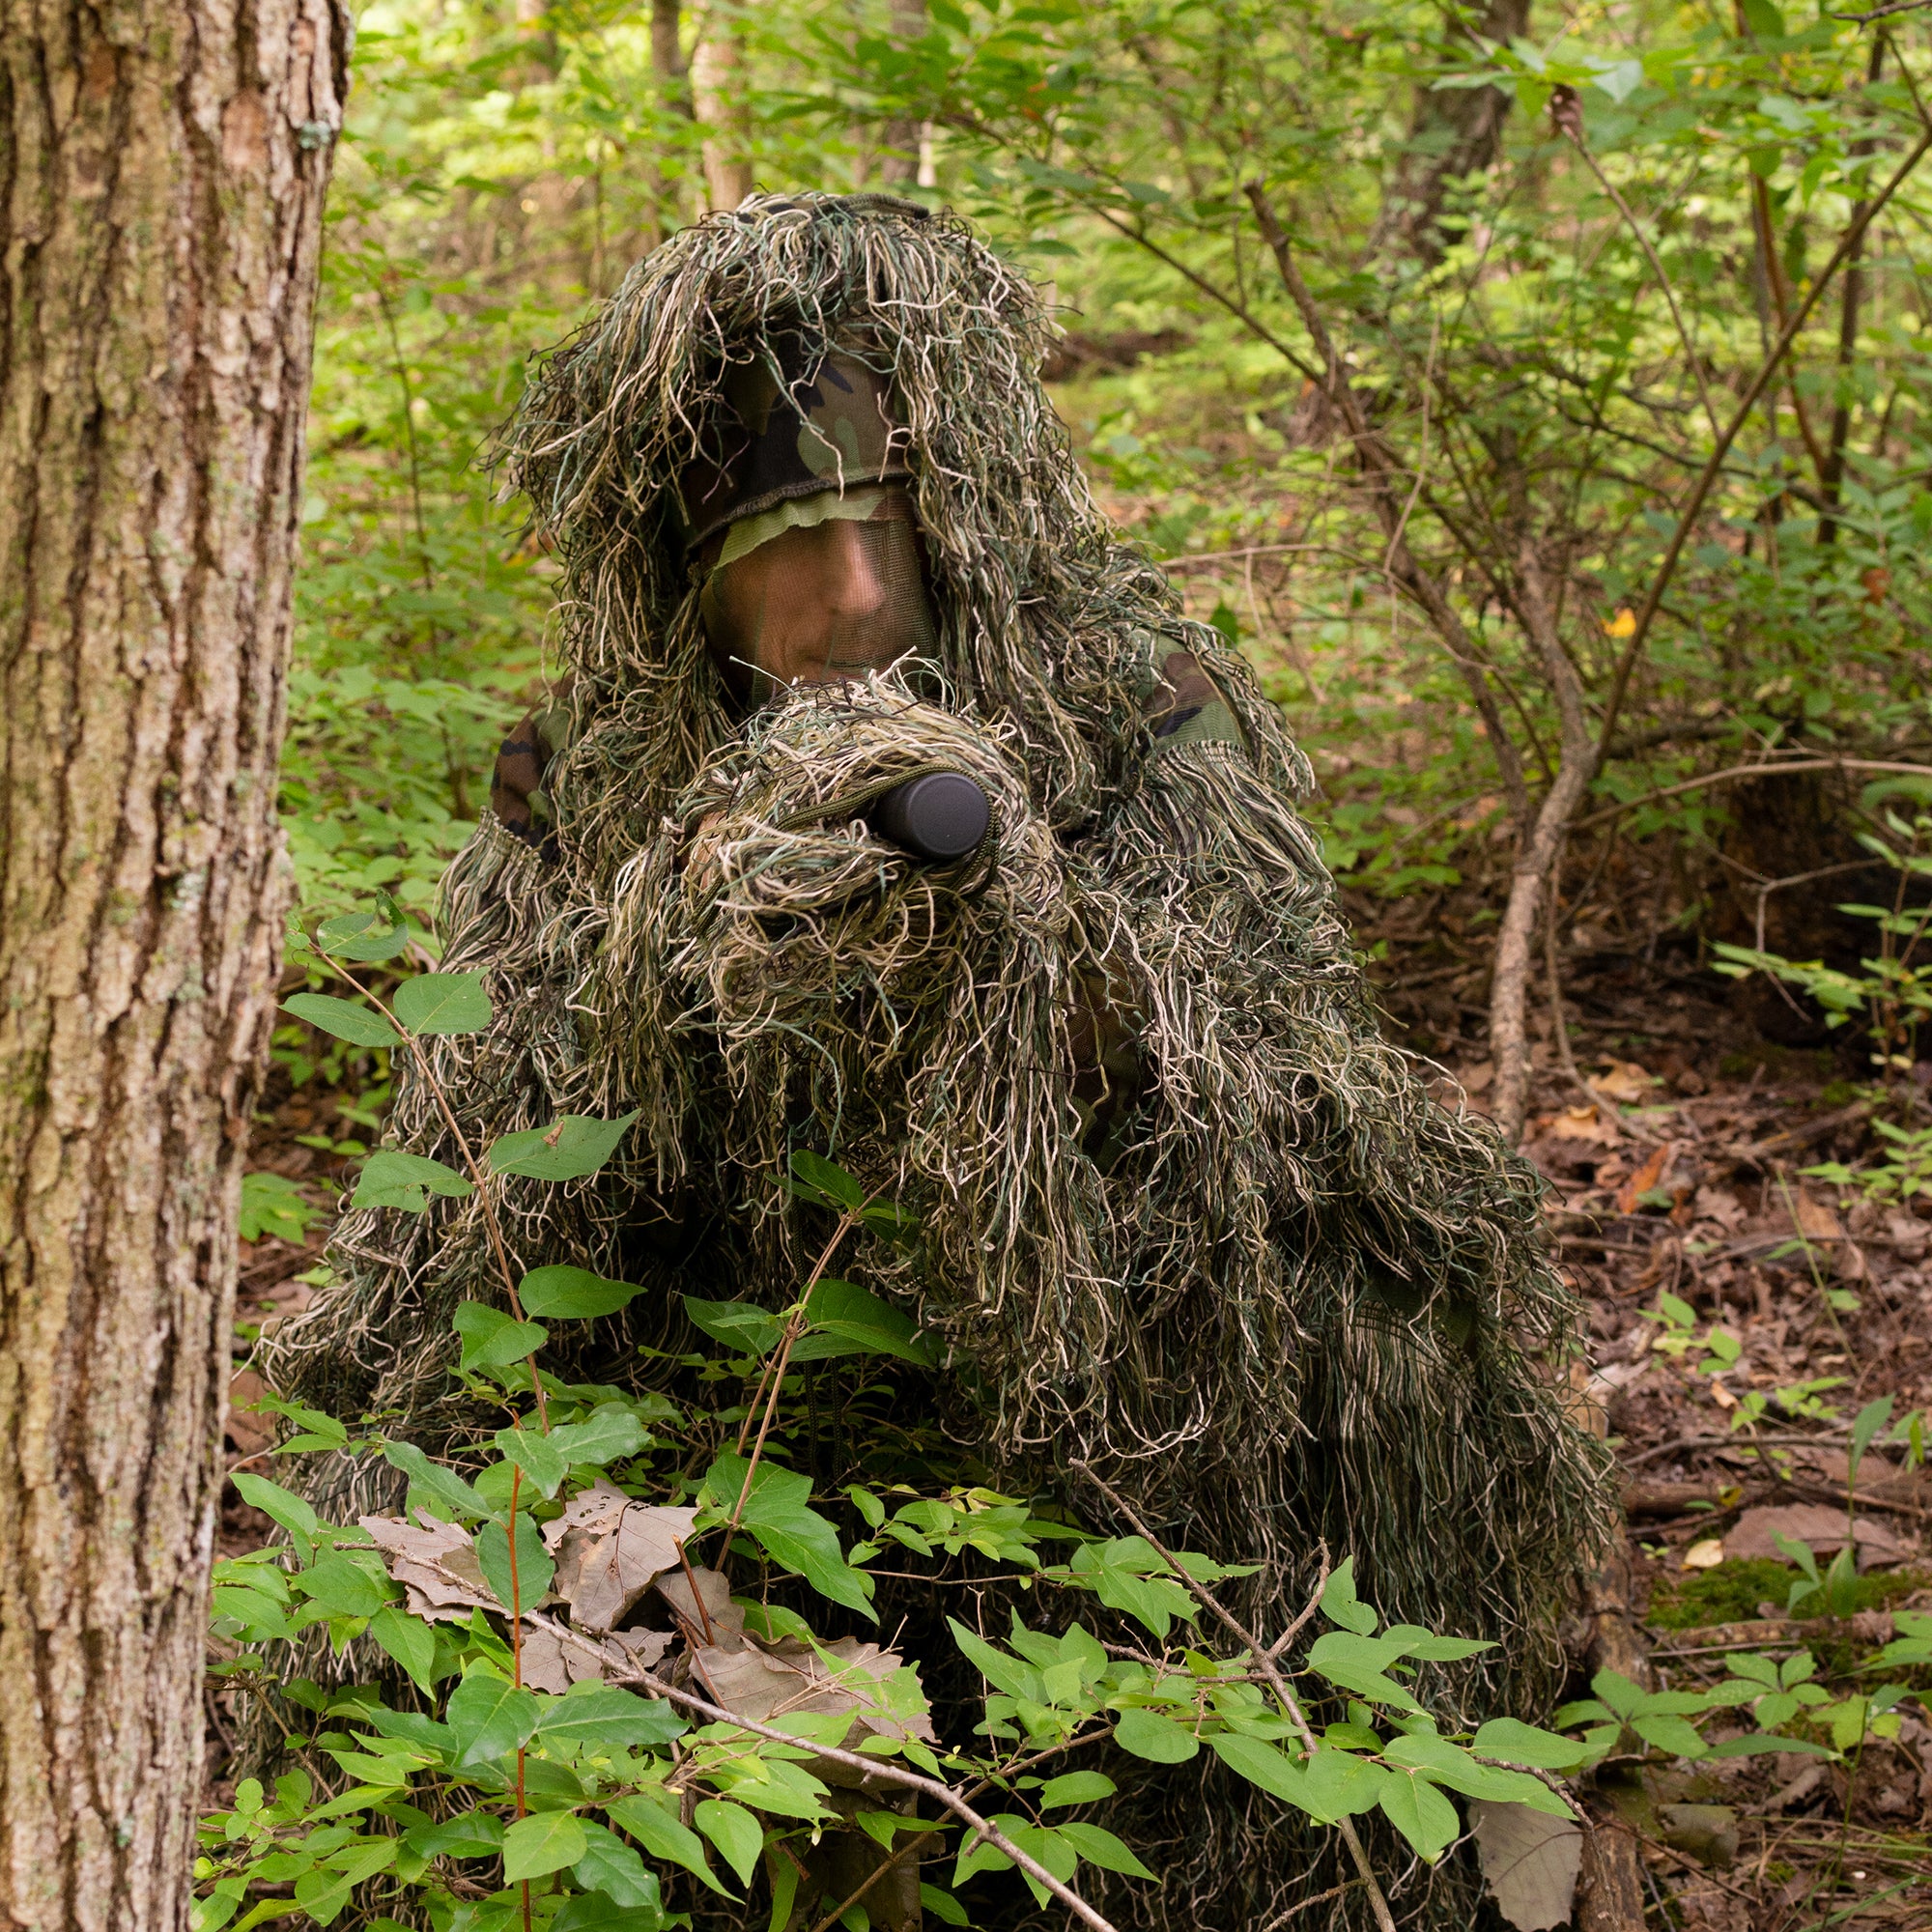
(1185,1216)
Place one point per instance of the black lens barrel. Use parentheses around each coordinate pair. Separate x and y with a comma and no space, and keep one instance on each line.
(940,817)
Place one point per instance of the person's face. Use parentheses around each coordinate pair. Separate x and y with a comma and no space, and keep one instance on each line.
(818,604)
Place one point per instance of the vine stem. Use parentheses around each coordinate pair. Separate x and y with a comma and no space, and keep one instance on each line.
(1264,1656)
(478,1174)
(775,1372)
(891,1774)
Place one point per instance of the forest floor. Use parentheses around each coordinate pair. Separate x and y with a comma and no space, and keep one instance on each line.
(1674,1157)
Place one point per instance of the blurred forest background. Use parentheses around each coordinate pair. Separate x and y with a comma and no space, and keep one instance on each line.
(1549,257)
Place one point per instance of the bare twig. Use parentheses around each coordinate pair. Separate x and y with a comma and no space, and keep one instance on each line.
(891,1773)
(1291,1705)
(1736,772)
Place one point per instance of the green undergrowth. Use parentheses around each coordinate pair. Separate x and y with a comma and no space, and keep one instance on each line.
(1732,1591)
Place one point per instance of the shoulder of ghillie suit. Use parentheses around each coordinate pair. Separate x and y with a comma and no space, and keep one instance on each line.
(1047,620)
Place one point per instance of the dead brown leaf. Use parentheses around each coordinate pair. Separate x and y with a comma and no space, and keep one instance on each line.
(1816,1220)
(1643,1179)
(610,1550)
(1530,1861)
(1592,1126)
(721,1622)
(435,1564)
(555,1656)
(1623,1083)
(1820,1527)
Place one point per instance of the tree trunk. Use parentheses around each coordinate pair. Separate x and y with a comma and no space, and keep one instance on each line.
(165,166)
(900,138)
(722,110)
(1453,133)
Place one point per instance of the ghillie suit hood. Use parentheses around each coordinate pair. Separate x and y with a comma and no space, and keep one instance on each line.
(1185,1217)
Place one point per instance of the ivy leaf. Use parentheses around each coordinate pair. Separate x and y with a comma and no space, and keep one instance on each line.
(443,1002)
(742,1325)
(493,1339)
(572,1293)
(341,1588)
(734,1832)
(280,1506)
(360,1026)
(1358,1664)
(1075,1787)
(488,1717)
(793,1534)
(476,1835)
(571,1147)
(393,1180)
(542,1843)
(1262,1764)
(1451,1765)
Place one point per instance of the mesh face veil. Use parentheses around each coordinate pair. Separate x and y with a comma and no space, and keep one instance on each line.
(823,597)
(799,516)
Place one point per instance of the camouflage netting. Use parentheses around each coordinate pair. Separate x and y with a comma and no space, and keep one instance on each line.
(1188,1216)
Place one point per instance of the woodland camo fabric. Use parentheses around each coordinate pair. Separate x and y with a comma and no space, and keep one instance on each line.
(1186,1216)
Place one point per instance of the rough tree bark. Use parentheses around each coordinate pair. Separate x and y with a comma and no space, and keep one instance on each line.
(162,173)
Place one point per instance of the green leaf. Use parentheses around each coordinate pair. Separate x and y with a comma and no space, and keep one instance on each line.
(488,1717)
(1517,1742)
(360,1026)
(1420,1813)
(1263,1765)
(279,1505)
(392,1180)
(1156,1737)
(741,1325)
(363,936)
(1101,1848)
(826,1179)
(943,1906)
(572,1293)
(534,1568)
(1340,1605)
(443,1002)
(609,1432)
(1342,1785)
(793,1534)
(1075,1787)
(453,1497)
(1451,1765)
(342,1588)
(1670,1734)
(1003,1672)
(493,1339)
(664,1835)
(476,1835)
(847,1320)
(1358,1664)
(612,1867)
(537,1456)
(598,1911)
(734,1832)
(571,1147)
(601,1714)
(542,1843)
(1868,1422)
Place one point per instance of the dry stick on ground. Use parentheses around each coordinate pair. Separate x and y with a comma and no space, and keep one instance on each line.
(1264,1656)
(891,1773)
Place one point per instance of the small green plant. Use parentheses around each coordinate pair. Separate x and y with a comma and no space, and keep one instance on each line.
(275,1208)
(561,1774)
